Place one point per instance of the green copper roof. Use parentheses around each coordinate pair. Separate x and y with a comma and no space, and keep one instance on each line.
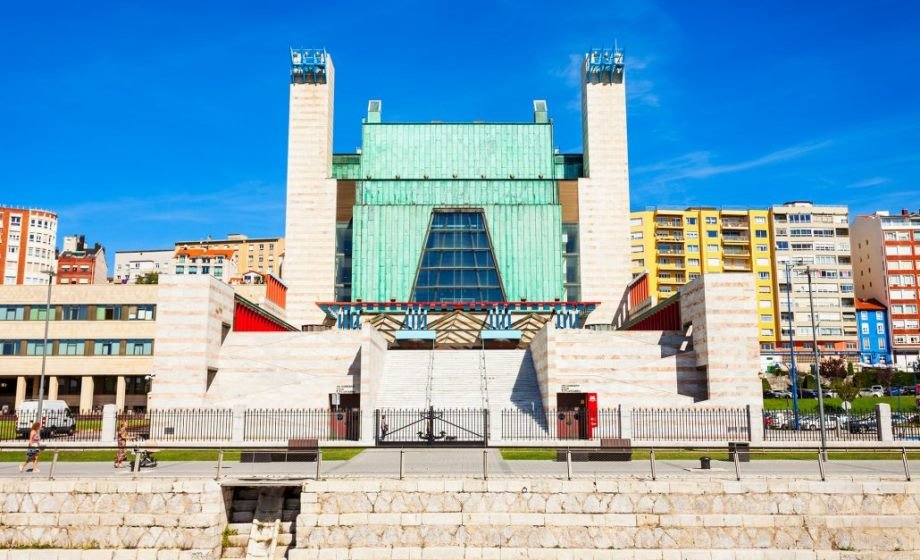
(457,150)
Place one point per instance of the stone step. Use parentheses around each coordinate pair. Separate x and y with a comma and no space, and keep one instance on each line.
(238,540)
(241,517)
(240,528)
(290,515)
(285,539)
(233,552)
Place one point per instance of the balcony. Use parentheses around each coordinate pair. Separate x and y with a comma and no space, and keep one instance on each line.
(734,224)
(670,224)
(677,280)
(736,267)
(740,253)
(661,236)
(672,266)
(735,239)
(678,252)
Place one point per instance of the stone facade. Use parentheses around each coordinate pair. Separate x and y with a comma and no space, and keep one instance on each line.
(99,519)
(625,518)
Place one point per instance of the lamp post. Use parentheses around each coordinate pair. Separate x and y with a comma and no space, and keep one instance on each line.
(814,338)
(793,374)
(41,382)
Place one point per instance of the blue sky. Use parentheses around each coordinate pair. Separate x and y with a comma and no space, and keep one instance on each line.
(145,123)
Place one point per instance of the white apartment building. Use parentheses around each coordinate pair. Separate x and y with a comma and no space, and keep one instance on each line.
(815,239)
(886,255)
(131,264)
(28,239)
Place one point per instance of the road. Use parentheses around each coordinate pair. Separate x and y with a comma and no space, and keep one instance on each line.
(469,463)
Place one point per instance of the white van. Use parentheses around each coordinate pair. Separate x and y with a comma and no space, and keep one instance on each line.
(56,415)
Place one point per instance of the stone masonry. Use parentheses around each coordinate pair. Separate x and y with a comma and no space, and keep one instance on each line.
(102,519)
(624,518)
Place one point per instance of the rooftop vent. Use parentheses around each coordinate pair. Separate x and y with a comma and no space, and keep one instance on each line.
(539,111)
(373,110)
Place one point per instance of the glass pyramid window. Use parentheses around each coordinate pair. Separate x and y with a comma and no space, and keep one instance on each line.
(457,263)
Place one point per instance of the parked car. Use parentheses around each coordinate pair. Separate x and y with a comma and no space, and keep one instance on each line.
(873,391)
(808,394)
(782,394)
(862,425)
(56,418)
(813,422)
(909,390)
(899,419)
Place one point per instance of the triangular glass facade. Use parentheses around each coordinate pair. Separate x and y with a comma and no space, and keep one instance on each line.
(457,264)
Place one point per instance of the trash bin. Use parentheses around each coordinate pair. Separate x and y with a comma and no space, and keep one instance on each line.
(742,448)
(704,463)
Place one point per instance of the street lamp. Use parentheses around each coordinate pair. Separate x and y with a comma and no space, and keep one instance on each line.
(793,374)
(41,383)
(814,338)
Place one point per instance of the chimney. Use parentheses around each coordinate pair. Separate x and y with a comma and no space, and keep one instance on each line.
(905,212)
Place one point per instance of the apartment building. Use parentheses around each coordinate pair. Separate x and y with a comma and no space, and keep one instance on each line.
(676,246)
(874,337)
(28,241)
(79,263)
(815,242)
(129,265)
(886,260)
(263,255)
(219,263)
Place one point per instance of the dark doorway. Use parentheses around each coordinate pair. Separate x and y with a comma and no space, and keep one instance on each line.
(346,416)
(571,410)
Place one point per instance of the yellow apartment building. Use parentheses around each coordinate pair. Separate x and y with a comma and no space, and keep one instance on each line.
(264,255)
(676,246)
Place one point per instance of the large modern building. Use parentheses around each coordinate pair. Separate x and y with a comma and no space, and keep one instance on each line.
(886,258)
(676,246)
(814,241)
(28,242)
(442,266)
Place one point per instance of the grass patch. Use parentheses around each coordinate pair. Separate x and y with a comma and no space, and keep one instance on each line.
(524,454)
(860,404)
(341,453)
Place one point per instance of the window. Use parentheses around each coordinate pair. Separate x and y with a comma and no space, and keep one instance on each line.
(763,289)
(69,385)
(635,235)
(108,348)
(11,312)
(765,304)
(760,233)
(9,347)
(139,347)
(881,344)
(760,219)
(713,262)
(108,312)
(800,218)
(39,314)
(766,332)
(74,313)
(635,222)
(712,220)
(712,248)
(798,232)
(782,245)
(761,248)
(180,269)
(70,348)
(864,328)
(693,262)
(693,248)
(140,312)
(693,235)
(766,318)
(458,263)
(691,221)
(865,342)
(34,347)
(763,275)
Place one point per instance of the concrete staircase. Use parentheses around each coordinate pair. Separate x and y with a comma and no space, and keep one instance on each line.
(262,522)
(405,378)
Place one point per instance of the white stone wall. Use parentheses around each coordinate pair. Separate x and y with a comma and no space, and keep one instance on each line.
(373,361)
(285,369)
(722,309)
(192,313)
(603,201)
(309,262)
(152,518)
(608,518)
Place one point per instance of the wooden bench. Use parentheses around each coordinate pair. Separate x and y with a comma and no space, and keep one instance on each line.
(611,449)
(298,450)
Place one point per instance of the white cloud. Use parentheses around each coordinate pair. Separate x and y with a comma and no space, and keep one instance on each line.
(870,182)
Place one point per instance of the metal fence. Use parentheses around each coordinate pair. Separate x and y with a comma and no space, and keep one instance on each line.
(303,423)
(906,427)
(180,424)
(537,425)
(431,426)
(780,425)
(691,424)
(57,425)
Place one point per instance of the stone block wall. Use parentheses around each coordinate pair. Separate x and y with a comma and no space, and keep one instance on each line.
(159,518)
(623,518)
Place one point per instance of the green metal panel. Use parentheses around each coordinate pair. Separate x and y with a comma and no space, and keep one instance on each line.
(457,150)
(457,193)
(346,166)
(568,166)
(527,240)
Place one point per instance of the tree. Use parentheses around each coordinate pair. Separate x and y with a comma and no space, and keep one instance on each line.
(834,368)
(850,370)
(845,389)
(148,278)
(883,377)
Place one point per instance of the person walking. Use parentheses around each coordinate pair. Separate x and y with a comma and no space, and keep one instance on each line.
(122,444)
(34,448)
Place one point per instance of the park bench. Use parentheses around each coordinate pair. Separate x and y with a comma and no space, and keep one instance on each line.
(298,450)
(611,449)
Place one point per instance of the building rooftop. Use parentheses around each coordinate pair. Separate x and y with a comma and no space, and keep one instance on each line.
(869,305)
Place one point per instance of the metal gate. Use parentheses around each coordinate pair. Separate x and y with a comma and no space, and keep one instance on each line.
(432,427)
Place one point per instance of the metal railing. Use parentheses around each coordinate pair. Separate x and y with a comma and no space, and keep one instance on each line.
(691,424)
(906,427)
(779,425)
(57,425)
(184,424)
(304,423)
(432,425)
(551,425)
